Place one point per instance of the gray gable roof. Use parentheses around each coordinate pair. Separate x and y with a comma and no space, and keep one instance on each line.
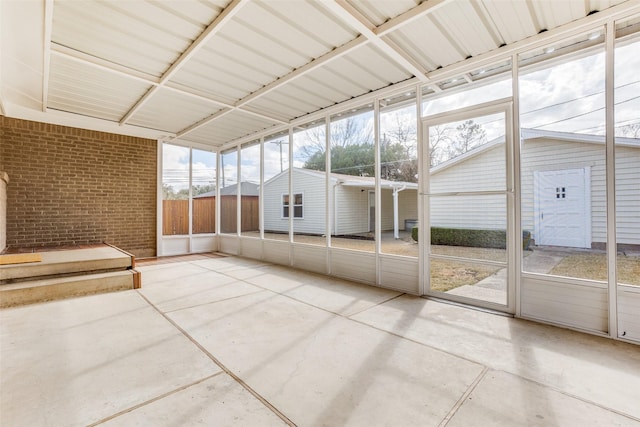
(246,189)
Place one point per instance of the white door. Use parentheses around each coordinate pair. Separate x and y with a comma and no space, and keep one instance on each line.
(562,208)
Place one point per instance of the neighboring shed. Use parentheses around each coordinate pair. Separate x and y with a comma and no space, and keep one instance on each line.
(353,199)
(246,189)
(562,189)
(204,207)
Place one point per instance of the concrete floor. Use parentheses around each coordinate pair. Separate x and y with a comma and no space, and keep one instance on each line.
(230,341)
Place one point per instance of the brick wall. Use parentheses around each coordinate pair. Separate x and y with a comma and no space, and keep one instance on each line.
(70,186)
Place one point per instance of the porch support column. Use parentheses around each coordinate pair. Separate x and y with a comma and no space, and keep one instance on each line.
(396,190)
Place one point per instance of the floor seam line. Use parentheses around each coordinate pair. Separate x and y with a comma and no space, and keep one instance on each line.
(226,370)
(154,399)
(464,397)
(571,395)
(416,342)
(376,304)
(216,301)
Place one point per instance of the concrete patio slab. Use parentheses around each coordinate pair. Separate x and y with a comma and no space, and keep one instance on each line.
(593,368)
(216,401)
(199,346)
(77,361)
(161,273)
(528,404)
(322,369)
(195,289)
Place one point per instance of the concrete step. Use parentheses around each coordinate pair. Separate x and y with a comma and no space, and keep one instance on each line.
(40,290)
(69,262)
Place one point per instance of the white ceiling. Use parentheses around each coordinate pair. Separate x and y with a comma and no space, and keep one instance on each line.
(213,71)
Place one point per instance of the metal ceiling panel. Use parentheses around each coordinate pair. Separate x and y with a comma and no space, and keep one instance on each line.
(287,40)
(172,112)
(380,11)
(427,44)
(221,76)
(554,14)
(278,59)
(363,70)
(288,101)
(91,91)
(513,19)
(296,26)
(229,127)
(375,63)
(466,30)
(603,4)
(263,42)
(145,36)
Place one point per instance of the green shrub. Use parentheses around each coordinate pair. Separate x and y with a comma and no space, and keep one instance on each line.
(414,233)
(471,238)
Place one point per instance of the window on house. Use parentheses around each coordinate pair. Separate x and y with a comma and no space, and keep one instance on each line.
(297,205)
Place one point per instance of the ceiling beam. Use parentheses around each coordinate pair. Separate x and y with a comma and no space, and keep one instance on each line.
(308,67)
(225,16)
(111,67)
(149,79)
(322,60)
(409,16)
(360,23)
(204,122)
(46,51)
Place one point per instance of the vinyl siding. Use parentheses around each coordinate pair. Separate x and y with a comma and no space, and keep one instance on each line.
(483,172)
(628,195)
(479,173)
(312,187)
(352,205)
(546,155)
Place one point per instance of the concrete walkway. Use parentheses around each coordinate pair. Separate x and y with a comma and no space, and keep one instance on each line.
(494,287)
(235,342)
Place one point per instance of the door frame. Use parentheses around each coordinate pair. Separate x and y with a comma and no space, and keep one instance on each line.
(371,204)
(511,192)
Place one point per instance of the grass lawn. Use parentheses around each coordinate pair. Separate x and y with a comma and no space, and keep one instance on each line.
(594,267)
(447,275)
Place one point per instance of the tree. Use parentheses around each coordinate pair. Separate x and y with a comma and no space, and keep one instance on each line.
(632,130)
(352,159)
(439,139)
(469,135)
(169,193)
(398,161)
(445,142)
(398,148)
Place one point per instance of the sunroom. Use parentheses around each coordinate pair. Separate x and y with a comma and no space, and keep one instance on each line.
(481,154)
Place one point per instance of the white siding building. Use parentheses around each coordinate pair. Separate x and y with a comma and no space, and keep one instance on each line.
(562,189)
(353,203)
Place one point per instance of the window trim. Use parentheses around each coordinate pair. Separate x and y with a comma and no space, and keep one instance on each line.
(288,205)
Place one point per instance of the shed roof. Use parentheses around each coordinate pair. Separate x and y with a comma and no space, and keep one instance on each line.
(534,135)
(349,180)
(246,189)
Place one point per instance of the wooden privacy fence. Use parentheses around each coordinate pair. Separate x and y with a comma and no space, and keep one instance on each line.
(175,215)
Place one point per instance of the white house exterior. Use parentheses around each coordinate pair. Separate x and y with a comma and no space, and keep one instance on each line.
(353,203)
(562,189)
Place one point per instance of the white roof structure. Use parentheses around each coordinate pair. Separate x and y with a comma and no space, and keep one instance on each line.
(351,180)
(216,72)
